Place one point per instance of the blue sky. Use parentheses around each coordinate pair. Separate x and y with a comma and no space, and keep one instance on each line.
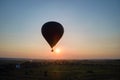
(92,28)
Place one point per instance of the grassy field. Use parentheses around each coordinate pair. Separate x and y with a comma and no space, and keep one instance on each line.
(60,70)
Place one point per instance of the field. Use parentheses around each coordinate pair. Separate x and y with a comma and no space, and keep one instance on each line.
(26,69)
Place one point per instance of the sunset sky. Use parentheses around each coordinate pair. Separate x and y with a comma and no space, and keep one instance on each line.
(92,28)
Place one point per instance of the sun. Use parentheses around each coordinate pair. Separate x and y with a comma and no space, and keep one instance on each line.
(57,50)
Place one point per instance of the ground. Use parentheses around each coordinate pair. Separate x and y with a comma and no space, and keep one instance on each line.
(60,70)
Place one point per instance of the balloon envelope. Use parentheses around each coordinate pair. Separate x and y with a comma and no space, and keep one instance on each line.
(52,32)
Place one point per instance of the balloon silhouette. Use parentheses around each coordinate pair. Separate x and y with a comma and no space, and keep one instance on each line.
(52,32)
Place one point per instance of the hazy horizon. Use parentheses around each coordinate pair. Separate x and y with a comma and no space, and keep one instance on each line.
(92,28)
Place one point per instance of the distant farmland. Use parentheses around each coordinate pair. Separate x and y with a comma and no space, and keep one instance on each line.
(25,69)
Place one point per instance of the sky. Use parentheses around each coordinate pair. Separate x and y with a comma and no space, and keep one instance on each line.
(91,28)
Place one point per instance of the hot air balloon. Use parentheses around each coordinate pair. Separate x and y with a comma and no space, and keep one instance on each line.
(52,32)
